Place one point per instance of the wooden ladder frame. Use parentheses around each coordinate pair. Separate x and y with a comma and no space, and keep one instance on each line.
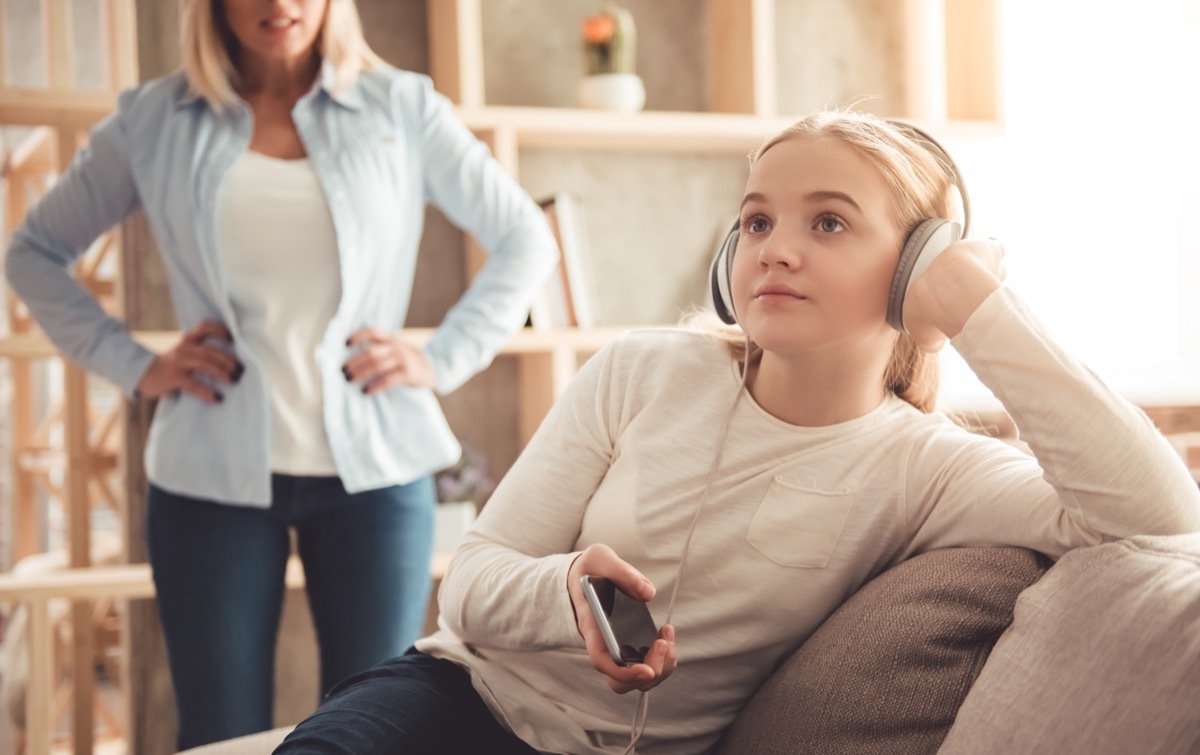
(62,115)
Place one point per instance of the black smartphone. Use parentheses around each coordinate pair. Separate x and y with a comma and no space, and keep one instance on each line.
(625,622)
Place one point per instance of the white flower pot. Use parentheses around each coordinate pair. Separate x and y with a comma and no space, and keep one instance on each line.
(619,92)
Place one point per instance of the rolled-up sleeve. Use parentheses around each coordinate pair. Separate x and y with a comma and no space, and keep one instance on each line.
(95,193)
(472,189)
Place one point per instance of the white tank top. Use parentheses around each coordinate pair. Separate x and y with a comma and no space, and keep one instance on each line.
(276,244)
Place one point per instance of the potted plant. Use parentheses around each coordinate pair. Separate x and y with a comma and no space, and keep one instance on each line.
(609,51)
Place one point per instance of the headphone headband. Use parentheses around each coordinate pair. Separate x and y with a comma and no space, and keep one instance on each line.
(923,138)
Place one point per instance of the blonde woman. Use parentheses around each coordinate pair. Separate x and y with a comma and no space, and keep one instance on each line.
(745,492)
(284,172)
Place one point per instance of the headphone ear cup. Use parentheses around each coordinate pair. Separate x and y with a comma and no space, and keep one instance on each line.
(929,239)
(720,277)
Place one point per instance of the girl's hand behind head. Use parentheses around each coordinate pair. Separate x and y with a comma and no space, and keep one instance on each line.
(941,300)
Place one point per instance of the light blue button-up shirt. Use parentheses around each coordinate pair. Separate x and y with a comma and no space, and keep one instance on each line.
(381,148)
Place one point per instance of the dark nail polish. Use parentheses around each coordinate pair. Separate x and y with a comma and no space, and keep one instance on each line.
(348,342)
(346,372)
(365,390)
(237,373)
(220,397)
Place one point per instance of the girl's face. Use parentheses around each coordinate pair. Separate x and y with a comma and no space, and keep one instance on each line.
(276,31)
(817,249)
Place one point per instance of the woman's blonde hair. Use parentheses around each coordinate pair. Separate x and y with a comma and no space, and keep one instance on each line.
(921,187)
(210,49)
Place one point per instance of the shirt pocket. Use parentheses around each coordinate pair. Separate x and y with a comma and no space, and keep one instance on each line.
(799,527)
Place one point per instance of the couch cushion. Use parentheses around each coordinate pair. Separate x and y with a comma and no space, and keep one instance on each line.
(1103,657)
(887,671)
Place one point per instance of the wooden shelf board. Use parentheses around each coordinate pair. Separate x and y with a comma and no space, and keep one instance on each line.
(526,341)
(128,581)
(121,582)
(656,130)
(535,127)
(44,459)
(35,107)
(530,341)
(571,128)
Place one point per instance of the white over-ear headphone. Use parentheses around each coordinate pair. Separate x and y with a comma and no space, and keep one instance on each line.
(924,243)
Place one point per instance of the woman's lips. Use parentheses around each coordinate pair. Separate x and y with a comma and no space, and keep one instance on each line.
(278,24)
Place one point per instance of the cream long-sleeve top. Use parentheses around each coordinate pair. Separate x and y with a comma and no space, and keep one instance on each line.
(797,518)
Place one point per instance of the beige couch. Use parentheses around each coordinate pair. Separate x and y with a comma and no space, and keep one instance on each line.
(1103,656)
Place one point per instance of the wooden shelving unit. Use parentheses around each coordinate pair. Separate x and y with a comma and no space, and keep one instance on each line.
(952,52)
(86,457)
(953,84)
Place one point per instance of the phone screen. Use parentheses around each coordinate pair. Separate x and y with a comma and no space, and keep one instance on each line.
(625,622)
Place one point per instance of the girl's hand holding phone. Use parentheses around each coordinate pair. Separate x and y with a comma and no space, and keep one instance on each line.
(659,661)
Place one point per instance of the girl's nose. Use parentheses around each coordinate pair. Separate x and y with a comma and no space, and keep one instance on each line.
(781,249)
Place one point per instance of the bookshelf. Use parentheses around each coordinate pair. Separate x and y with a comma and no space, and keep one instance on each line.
(949,53)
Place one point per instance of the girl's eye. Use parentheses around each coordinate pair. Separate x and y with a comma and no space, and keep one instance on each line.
(830,224)
(756,224)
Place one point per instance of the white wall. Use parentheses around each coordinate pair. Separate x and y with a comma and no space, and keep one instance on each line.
(1094,184)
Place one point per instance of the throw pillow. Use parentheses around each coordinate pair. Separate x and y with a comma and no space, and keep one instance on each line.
(887,671)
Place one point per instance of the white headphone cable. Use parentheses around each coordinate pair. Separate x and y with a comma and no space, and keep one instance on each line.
(641,712)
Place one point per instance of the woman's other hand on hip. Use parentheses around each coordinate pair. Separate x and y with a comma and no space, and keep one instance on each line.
(386,360)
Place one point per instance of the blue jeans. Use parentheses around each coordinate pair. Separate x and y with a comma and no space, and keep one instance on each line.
(219,575)
(411,705)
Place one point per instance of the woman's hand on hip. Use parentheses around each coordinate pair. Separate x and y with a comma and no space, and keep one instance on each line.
(602,561)
(195,357)
(386,360)
(943,298)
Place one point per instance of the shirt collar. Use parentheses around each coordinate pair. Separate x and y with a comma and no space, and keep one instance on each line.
(189,96)
(349,97)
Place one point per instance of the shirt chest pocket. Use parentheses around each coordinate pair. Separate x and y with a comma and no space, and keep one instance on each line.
(797,526)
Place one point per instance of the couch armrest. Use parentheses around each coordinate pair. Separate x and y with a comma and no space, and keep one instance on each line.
(1103,657)
(261,743)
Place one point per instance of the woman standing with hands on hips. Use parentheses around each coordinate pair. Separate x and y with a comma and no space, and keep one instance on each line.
(284,172)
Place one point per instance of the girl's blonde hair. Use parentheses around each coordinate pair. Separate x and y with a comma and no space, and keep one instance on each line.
(921,187)
(209,48)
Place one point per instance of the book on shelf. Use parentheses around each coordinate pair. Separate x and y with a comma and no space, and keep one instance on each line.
(567,299)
